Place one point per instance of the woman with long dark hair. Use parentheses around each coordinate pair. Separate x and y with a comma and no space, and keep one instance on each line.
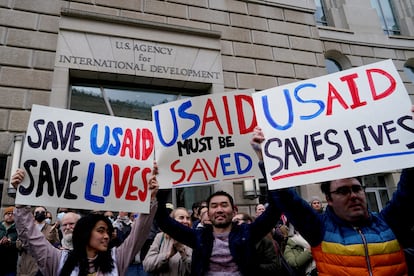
(91,254)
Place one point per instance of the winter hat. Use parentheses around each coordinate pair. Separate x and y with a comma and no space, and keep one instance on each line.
(8,209)
(169,206)
(315,198)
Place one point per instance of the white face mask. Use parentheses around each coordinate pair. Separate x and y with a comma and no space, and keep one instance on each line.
(48,221)
(60,216)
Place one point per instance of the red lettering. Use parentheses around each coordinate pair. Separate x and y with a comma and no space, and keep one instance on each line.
(131,188)
(142,194)
(206,119)
(127,143)
(353,89)
(213,173)
(388,91)
(120,185)
(147,143)
(334,95)
(144,144)
(228,118)
(138,144)
(198,167)
(174,169)
(241,113)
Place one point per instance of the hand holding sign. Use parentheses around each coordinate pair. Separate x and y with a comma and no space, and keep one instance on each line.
(17,178)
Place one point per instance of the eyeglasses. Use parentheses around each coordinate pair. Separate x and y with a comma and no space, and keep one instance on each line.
(8,214)
(40,212)
(347,190)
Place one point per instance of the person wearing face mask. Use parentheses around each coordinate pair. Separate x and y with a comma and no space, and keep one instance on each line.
(27,265)
(60,213)
(48,219)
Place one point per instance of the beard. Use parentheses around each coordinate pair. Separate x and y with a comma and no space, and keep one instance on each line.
(67,241)
(222,224)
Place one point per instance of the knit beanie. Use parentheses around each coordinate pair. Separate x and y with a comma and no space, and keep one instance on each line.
(8,209)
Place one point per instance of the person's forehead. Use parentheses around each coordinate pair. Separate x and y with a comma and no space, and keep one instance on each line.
(101,224)
(219,199)
(344,182)
(69,218)
(181,212)
(40,209)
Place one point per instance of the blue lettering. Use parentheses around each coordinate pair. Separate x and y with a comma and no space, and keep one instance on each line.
(114,148)
(299,99)
(265,104)
(108,180)
(158,126)
(237,157)
(93,140)
(88,189)
(224,164)
(185,115)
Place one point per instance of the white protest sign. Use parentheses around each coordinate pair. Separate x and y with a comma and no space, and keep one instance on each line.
(350,123)
(205,140)
(87,161)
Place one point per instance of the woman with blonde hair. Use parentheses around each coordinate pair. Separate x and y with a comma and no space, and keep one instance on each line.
(167,256)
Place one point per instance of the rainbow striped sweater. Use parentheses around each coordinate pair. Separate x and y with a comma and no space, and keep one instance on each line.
(371,249)
(339,248)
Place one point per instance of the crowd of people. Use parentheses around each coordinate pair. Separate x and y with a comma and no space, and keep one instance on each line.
(287,236)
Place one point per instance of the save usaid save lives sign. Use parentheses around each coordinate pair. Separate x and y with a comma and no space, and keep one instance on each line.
(350,123)
(86,161)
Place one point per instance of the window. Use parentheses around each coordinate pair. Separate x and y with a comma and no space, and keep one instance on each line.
(320,13)
(386,14)
(376,191)
(409,71)
(332,66)
(3,164)
(121,102)
(135,103)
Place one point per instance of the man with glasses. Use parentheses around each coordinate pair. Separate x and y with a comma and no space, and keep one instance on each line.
(8,238)
(348,239)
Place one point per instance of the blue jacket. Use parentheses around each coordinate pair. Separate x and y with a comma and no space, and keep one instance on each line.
(334,241)
(242,239)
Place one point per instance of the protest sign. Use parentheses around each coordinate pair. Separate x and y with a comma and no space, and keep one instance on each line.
(205,140)
(86,161)
(354,122)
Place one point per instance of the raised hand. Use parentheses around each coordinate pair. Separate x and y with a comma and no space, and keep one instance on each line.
(17,178)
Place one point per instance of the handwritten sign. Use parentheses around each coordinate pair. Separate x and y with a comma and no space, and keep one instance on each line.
(350,123)
(86,161)
(205,140)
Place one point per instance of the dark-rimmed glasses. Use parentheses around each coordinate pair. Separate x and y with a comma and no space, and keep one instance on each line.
(347,190)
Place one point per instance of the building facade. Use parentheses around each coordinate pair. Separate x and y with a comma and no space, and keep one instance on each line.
(100,55)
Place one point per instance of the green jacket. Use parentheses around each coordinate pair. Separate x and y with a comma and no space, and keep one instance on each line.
(296,256)
(8,252)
